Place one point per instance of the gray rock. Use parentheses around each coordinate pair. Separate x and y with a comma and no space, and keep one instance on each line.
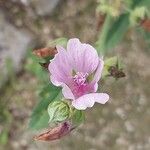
(44,7)
(25,2)
(13,46)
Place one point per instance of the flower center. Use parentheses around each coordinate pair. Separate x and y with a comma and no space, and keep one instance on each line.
(80,78)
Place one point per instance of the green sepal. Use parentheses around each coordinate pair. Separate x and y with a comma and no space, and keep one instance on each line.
(77,117)
(112,62)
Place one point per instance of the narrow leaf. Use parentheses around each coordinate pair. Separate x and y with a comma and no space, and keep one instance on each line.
(40,117)
(112,33)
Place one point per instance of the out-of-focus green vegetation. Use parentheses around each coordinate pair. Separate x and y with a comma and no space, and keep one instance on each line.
(120,17)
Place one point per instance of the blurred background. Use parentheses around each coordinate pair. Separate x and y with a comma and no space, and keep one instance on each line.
(121,124)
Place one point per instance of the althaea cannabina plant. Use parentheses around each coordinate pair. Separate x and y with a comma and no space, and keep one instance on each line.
(77,70)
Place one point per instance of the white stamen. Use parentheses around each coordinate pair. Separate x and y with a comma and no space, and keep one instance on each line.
(80,78)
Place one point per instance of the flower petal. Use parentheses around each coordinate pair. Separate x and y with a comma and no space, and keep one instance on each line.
(65,89)
(95,87)
(54,81)
(90,59)
(88,100)
(98,72)
(60,67)
(73,44)
(67,92)
(83,57)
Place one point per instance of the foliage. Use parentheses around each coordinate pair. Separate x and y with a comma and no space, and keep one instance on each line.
(47,93)
(118,20)
(39,118)
(5,118)
(4,137)
(112,33)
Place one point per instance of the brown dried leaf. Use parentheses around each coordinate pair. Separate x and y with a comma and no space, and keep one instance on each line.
(55,133)
(45,52)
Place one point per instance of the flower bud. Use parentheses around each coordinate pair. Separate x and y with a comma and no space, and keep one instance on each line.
(58,111)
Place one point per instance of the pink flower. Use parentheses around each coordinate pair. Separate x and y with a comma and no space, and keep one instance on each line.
(77,70)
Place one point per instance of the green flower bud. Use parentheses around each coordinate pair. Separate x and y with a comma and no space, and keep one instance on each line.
(138,14)
(113,67)
(58,111)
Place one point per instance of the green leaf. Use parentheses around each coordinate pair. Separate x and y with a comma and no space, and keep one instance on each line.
(4,137)
(40,120)
(35,68)
(59,41)
(40,117)
(117,31)
(142,3)
(114,30)
(58,111)
(112,33)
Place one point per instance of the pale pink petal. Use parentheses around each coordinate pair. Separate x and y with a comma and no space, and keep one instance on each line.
(74,51)
(60,48)
(67,92)
(60,67)
(98,72)
(83,57)
(90,59)
(55,81)
(88,100)
(65,89)
(101,98)
(73,45)
(95,87)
